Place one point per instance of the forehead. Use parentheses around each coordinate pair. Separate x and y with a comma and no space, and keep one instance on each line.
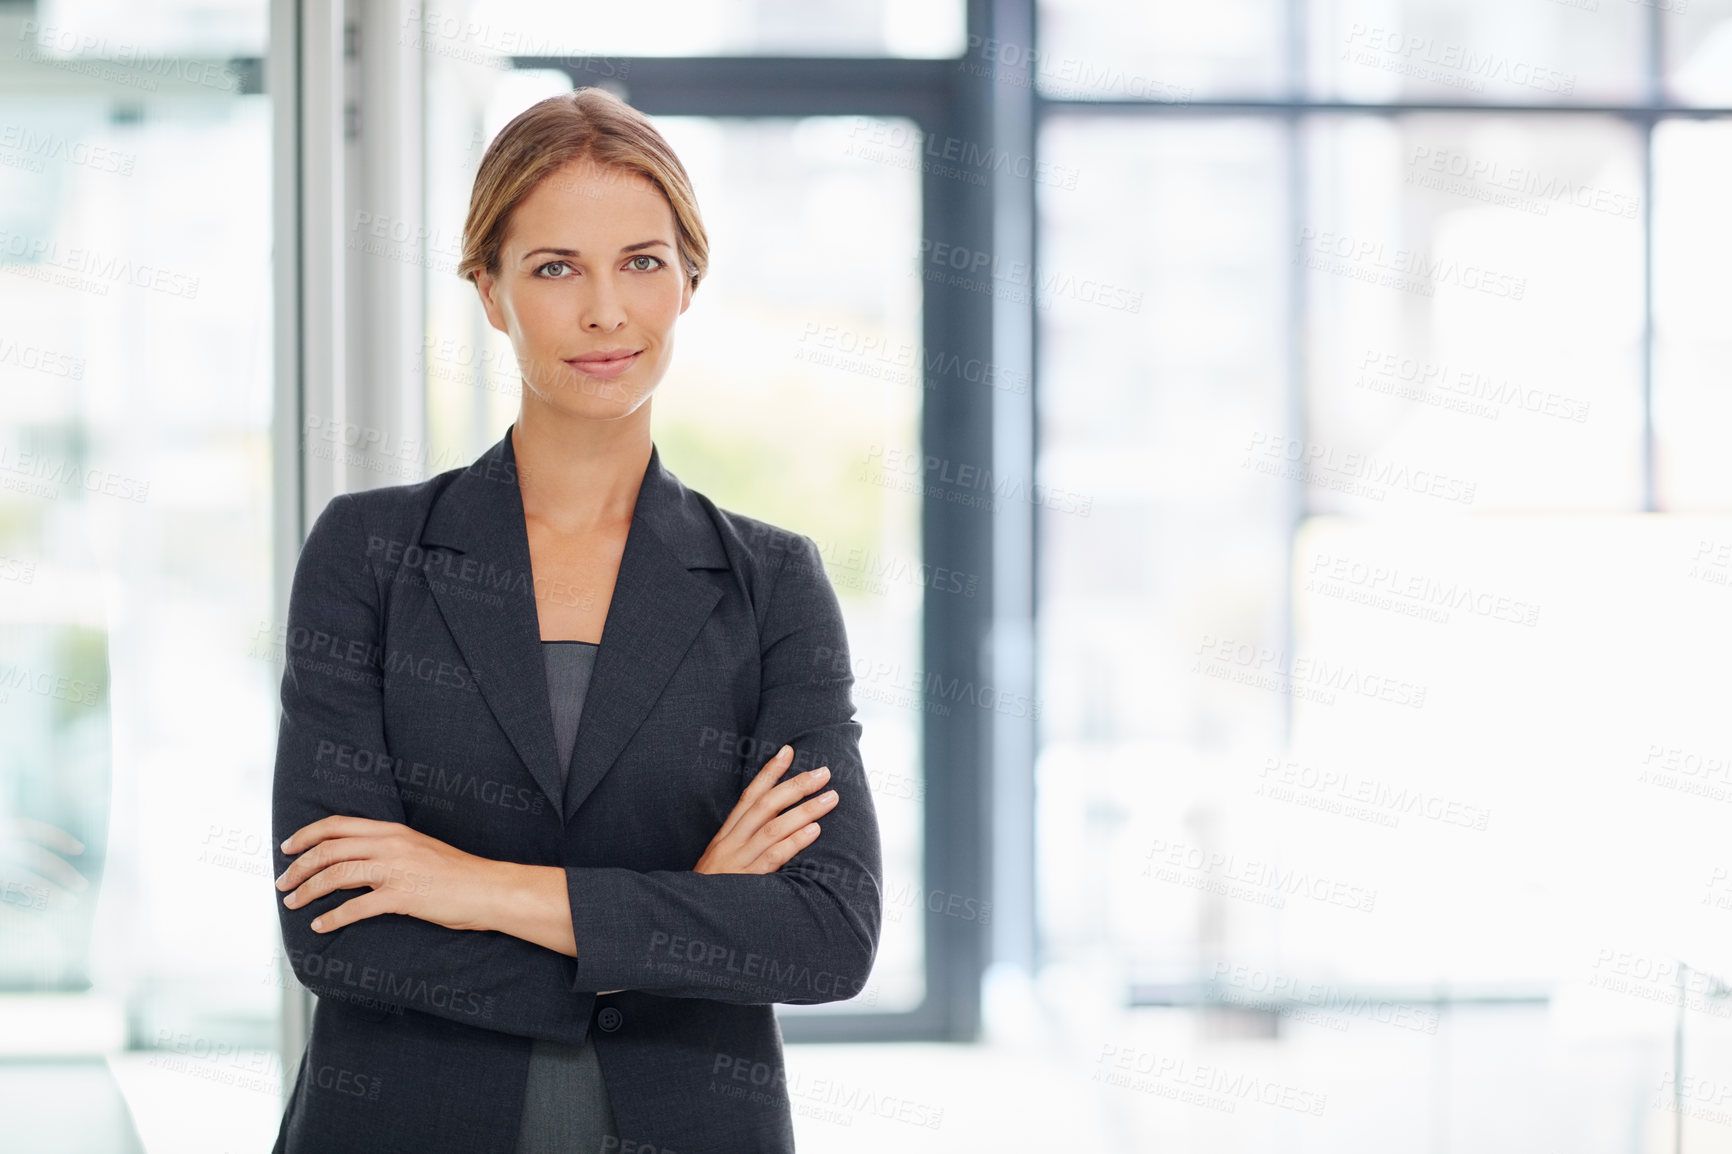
(583,197)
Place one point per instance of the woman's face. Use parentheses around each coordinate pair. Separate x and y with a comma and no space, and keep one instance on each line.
(588,266)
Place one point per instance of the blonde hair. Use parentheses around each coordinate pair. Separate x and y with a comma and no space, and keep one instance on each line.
(591,124)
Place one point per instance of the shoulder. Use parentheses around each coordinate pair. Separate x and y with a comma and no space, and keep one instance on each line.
(759,548)
(782,571)
(779,570)
(390,511)
(389,503)
(367,532)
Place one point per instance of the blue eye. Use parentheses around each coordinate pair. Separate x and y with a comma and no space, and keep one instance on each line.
(565,265)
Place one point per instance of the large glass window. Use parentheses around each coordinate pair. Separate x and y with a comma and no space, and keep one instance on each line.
(1380,761)
(138,672)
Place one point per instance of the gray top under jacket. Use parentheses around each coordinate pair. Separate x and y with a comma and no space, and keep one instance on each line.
(565,1107)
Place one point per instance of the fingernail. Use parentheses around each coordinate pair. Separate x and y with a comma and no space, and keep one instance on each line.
(822,772)
(785,751)
(285,846)
(830,795)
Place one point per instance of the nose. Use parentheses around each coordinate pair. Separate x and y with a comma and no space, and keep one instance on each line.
(601,310)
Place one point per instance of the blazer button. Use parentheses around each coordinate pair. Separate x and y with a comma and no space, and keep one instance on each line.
(609,1019)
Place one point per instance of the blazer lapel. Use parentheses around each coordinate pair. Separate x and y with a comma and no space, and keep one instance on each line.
(657,610)
(488,601)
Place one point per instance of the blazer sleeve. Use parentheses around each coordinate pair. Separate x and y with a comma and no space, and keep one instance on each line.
(332,692)
(805,934)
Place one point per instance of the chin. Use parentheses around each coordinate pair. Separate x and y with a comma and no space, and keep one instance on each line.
(601,400)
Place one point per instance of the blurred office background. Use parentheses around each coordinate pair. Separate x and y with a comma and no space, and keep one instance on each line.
(1272,454)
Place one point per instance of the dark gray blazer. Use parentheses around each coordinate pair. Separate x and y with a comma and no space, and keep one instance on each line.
(414,691)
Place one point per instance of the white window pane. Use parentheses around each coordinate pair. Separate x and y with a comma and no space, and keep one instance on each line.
(1158,49)
(1473,289)
(1527,811)
(1546,52)
(1692,313)
(1149,414)
(1698,50)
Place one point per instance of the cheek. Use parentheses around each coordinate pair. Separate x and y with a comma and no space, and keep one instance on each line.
(539,321)
(659,311)
(648,294)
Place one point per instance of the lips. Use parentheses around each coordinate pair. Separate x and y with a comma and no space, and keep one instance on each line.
(606,363)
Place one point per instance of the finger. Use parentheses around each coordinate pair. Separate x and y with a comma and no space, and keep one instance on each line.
(328,853)
(742,834)
(748,832)
(789,792)
(344,875)
(354,910)
(767,776)
(781,827)
(336,825)
(763,781)
(783,851)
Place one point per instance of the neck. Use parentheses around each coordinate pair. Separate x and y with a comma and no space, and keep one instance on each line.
(576,474)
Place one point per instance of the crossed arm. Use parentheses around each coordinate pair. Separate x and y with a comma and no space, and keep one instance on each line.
(408,872)
(518,948)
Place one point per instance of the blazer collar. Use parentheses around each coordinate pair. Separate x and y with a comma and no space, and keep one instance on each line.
(488,603)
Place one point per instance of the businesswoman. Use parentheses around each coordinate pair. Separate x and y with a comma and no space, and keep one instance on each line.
(555,727)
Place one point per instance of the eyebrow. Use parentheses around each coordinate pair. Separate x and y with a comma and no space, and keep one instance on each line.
(572,252)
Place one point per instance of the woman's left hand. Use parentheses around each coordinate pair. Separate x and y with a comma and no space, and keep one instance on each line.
(406,871)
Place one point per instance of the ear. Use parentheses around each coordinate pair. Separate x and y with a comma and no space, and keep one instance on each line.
(686,295)
(486,286)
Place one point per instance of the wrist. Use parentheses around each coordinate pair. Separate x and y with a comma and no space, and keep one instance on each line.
(502,887)
(529,902)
